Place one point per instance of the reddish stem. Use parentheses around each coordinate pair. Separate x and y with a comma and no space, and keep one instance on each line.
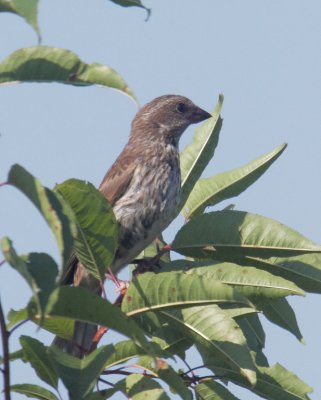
(102,330)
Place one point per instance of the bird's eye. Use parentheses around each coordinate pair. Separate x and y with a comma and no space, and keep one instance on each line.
(181,108)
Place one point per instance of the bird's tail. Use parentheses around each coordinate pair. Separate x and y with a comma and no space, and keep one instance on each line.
(84,333)
(82,340)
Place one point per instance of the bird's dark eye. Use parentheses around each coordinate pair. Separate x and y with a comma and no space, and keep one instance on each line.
(181,108)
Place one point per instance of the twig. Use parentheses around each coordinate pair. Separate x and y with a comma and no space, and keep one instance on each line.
(192,369)
(107,382)
(5,347)
(17,326)
(127,373)
(2,262)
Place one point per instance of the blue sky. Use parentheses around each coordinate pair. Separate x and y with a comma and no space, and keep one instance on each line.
(263,56)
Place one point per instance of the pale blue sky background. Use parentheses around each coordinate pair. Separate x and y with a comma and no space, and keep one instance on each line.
(263,55)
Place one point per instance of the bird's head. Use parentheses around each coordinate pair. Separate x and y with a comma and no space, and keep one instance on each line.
(167,117)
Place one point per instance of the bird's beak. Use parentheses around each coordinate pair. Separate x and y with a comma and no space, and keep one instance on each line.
(200,115)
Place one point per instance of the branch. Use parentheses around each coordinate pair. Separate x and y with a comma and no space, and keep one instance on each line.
(5,347)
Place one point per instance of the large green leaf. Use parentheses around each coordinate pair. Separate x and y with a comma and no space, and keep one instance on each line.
(272,378)
(211,390)
(36,354)
(28,10)
(236,234)
(195,157)
(210,191)
(39,271)
(273,383)
(97,238)
(55,211)
(33,391)
(150,292)
(304,270)
(280,312)
(249,281)
(51,64)
(276,383)
(80,304)
(79,376)
(218,333)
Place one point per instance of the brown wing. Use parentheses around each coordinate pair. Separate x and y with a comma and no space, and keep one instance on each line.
(118,178)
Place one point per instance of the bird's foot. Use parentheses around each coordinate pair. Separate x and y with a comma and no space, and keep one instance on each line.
(150,264)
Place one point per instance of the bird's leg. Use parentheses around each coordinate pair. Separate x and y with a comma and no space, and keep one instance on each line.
(110,275)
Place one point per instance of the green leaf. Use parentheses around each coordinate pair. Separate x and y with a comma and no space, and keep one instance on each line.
(79,376)
(166,336)
(211,390)
(252,330)
(278,383)
(16,355)
(304,270)
(273,383)
(123,351)
(28,10)
(15,317)
(150,292)
(167,374)
(56,213)
(195,157)
(80,304)
(250,282)
(210,191)
(280,312)
(59,326)
(218,333)
(101,394)
(139,387)
(97,237)
(132,3)
(39,271)
(127,349)
(236,234)
(51,64)
(36,354)
(33,391)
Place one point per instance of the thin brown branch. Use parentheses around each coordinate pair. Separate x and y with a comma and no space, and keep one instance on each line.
(17,326)
(6,362)
(127,373)
(102,330)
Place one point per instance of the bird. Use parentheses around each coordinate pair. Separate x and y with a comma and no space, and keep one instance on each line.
(143,186)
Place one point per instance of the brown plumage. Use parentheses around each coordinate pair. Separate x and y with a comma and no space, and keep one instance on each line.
(143,185)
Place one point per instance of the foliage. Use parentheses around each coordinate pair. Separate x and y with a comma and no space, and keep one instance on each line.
(235,266)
